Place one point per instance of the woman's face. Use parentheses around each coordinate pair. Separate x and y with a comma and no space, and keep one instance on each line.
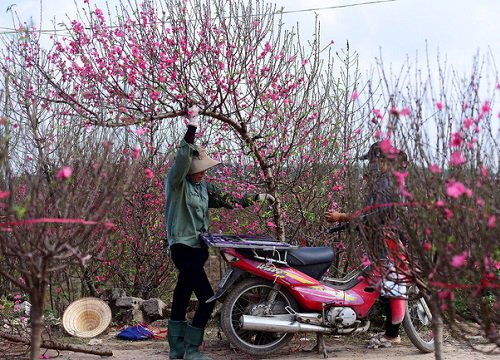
(197,177)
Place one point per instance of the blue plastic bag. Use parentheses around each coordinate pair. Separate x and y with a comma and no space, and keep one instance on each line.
(135,332)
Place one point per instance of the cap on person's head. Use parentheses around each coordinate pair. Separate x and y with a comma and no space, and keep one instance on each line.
(201,161)
(374,152)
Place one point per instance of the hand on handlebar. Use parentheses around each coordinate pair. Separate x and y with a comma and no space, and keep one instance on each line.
(336,216)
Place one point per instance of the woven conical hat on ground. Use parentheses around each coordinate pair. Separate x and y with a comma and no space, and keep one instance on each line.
(87,317)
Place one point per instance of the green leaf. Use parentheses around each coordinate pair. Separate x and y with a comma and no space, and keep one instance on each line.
(20,211)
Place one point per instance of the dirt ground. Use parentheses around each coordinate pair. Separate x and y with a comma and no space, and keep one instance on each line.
(218,348)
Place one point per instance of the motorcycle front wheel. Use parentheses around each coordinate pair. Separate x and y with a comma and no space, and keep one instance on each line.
(255,297)
(418,322)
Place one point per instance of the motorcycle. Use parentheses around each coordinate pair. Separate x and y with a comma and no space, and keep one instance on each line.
(272,290)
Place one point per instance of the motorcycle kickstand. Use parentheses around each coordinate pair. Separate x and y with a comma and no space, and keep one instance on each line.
(320,338)
(320,346)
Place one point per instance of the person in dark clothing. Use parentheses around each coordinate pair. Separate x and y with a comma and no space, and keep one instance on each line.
(379,223)
(188,198)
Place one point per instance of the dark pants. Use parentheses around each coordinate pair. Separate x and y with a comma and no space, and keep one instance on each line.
(192,277)
(391,330)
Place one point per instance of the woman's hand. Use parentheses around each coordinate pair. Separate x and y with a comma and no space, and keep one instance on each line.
(336,216)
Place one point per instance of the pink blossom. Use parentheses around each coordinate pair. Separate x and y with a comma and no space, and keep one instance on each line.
(386,147)
(58,290)
(354,95)
(440,203)
(340,246)
(405,111)
(439,105)
(270,224)
(365,261)
(459,260)
(456,139)
(456,158)
(427,246)
(433,168)
(140,131)
(468,122)
(154,95)
(492,222)
(448,214)
(400,177)
(148,173)
(471,143)
(394,111)
(455,189)
(377,113)
(64,173)
(486,107)
(135,153)
(484,171)
(427,231)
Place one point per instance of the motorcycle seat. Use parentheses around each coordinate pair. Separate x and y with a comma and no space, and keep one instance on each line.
(310,256)
(303,256)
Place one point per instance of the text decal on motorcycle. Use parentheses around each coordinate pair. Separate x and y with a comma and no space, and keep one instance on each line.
(282,274)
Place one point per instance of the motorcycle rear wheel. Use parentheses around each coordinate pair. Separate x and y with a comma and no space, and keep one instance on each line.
(250,297)
(418,322)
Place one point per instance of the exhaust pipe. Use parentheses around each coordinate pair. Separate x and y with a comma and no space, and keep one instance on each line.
(258,323)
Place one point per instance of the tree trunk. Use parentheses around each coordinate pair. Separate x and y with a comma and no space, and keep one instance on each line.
(36,318)
(437,326)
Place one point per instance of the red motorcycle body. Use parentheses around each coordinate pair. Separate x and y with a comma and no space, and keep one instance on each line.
(271,290)
(311,294)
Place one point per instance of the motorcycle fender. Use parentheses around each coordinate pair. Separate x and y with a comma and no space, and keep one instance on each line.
(229,278)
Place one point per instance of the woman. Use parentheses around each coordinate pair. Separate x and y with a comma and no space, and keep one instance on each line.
(380,225)
(189,196)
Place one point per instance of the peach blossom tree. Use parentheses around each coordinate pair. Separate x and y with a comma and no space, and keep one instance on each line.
(270,104)
(449,203)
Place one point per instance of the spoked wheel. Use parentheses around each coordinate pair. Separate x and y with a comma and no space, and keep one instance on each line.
(255,297)
(418,321)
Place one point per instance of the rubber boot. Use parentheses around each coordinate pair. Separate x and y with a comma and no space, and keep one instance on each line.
(176,333)
(193,339)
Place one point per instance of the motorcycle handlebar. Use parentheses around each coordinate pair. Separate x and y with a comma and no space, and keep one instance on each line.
(338,228)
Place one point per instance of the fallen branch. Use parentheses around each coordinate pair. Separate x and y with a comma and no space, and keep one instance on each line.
(54,345)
